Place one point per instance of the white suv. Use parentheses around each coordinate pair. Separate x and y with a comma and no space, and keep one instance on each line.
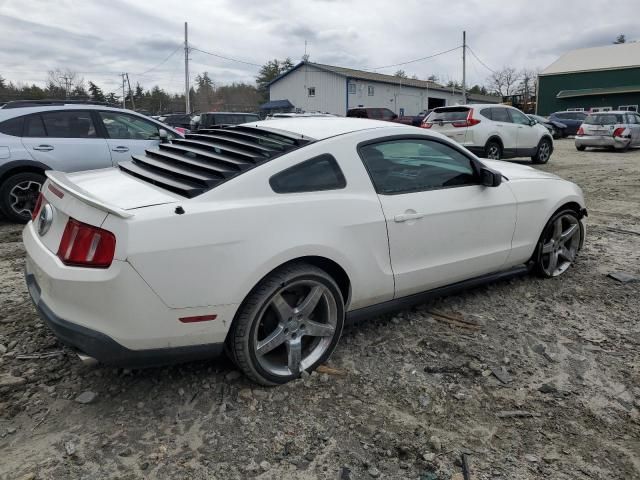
(493,131)
(68,136)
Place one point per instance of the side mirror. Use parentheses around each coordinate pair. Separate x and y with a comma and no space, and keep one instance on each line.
(164,135)
(490,178)
(532,122)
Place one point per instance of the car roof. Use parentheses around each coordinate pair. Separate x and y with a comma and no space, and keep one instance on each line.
(19,111)
(320,128)
(617,112)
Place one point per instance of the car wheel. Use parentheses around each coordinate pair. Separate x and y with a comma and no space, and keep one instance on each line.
(18,195)
(559,244)
(290,323)
(544,152)
(580,148)
(493,150)
(554,133)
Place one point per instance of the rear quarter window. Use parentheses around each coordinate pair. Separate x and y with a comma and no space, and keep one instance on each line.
(317,174)
(486,113)
(12,126)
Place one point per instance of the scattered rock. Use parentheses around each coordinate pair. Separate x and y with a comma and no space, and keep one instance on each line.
(70,448)
(548,388)
(11,430)
(8,380)
(28,476)
(144,465)
(3,349)
(501,374)
(245,394)
(86,397)
(531,458)
(623,277)
(232,375)
(373,472)
(345,474)
(324,378)
(429,456)
(424,400)
(264,465)
(127,452)
(435,443)
(551,457)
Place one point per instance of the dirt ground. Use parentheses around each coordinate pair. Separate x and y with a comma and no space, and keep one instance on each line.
(411,395)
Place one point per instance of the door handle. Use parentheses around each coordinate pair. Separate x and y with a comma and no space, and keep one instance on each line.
(120,149)
(43,148)
(407,216)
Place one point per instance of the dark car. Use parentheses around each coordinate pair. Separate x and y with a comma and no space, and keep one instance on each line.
(418,119)
(178,120)
(555,128)
(373,113)
(572,120)
(213,119)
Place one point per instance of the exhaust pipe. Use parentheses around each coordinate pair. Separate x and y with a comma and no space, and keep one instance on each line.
(87,360)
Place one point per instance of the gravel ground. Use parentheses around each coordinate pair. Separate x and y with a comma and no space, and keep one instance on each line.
(544,384)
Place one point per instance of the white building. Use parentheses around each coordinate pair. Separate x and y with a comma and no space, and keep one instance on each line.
(315,87)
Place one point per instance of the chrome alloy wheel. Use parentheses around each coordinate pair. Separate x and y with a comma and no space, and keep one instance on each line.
(23,197)
(295,328)
(544,152)
(561,244)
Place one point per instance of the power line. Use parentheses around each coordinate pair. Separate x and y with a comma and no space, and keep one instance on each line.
(417,59)
(481,62)
(161,63)
(224,57)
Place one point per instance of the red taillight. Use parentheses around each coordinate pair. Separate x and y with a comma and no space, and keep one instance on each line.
(619,132)
(469,122)
(36,209)
(84,245)
(426,125)
(580,132)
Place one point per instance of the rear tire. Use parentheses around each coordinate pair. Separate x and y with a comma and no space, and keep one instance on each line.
(290,323)
(18,195)
(543,154)
(493,150)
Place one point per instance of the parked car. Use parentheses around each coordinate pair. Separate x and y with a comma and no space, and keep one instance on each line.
(372,113)
(68,138)
(418,119)
(268,238)
(572,120)
(178,121)
(555,128)
(617,129)
(493,131)
(216,119)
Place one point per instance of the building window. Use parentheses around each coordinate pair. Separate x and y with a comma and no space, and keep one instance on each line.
(601,109)
(370,91)
(311,91)
(628,108)
(352,88)
(575,109)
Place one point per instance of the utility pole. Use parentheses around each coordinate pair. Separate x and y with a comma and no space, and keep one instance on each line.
(123,101)
(133,103)
(186,71)
(464,67)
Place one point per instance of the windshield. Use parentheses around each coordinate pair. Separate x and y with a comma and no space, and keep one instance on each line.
(604,119)
(450,115)
(208,119)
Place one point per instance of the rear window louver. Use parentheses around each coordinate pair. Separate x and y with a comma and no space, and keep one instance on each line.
(202,160)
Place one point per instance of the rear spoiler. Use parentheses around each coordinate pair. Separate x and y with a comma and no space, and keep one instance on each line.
(61,180)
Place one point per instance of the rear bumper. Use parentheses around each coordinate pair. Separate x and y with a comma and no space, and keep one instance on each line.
(105,349)
(601,141)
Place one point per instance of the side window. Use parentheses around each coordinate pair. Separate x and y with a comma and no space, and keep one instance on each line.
(69,124)
(519,118)
(412,165)
(631,118)
(128,127)
(12,126)
(500,115)
(317,174)
(486,113)
(387,114)
(34,127)
(370,90)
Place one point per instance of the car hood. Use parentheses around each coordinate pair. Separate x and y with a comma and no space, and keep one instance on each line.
(513,171)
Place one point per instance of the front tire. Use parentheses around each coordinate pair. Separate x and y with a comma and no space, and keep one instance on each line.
(493,150)
(580,148)
(559,244)
(290,323)
(543,154)
(18,195)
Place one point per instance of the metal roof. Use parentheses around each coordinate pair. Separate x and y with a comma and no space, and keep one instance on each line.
(382,78)
(610,57)
(597,91)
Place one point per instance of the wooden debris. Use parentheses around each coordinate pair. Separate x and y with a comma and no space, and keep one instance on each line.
(331,371)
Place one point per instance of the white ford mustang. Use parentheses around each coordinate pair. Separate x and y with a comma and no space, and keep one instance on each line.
(264,238)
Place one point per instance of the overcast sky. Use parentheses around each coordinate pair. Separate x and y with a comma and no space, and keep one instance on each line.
(101,39)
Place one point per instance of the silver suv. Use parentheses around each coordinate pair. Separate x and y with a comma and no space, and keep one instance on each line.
(68,137)
(618,130)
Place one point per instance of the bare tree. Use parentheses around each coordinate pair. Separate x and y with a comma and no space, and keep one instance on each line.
(504,82)
(620,39)
(66,80)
